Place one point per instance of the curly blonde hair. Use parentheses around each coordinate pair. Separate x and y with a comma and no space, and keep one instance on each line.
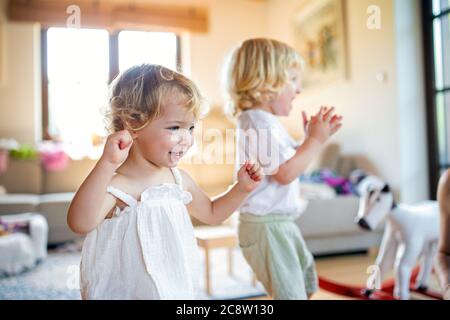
(138,95)
(257,70)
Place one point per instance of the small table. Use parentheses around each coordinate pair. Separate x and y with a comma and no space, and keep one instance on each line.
(209,237)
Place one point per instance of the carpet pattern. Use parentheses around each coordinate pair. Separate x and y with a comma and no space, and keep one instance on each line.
(56,278)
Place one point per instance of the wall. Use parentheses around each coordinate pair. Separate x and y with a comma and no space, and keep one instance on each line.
(373,126)
(411,101)
(372,123)
(20,99)
(231,22)
(20,91)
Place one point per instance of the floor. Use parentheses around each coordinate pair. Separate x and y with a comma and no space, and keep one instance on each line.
(57,277)
(349,269)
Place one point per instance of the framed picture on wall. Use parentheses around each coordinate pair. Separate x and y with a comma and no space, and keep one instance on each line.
(319,28)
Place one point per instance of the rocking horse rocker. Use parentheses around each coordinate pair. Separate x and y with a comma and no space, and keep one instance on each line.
(411,232)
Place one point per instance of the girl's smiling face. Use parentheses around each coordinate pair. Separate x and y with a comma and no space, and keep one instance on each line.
(166,139)
(282,104)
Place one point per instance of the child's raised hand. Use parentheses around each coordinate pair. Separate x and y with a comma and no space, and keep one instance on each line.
(117,147)
(323,125)
(249,176)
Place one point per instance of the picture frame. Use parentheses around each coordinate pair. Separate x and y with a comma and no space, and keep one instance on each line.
(320,37)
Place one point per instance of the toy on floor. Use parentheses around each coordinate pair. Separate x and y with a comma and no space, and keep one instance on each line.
(386,292)
(411,232)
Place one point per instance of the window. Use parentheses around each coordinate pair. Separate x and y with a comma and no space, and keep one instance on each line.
(77,69)
(436,21)
(77,66)
(136,47)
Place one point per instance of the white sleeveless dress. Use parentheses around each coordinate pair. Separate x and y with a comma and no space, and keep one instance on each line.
(145,251)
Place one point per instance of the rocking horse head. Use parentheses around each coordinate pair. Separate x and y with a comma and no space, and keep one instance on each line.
(375,203)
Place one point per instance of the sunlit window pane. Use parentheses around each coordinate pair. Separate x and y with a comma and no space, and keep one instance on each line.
(77,55)
(137,47)
(78,70)
(438,61)
(446,102)
(78,74)
(440,5)
(442,134)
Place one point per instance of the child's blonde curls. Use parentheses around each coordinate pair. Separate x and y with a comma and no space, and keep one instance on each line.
(138,95)
(257,71)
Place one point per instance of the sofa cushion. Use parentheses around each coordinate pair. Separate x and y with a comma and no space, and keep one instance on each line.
(23,176)
(69,179)
(54,207)
(312,191)
(328,158)
(330,217)
(56,197)
(18,203)
(325,218)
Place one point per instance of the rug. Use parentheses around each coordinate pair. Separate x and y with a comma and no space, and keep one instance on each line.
(56,278)
(225,287)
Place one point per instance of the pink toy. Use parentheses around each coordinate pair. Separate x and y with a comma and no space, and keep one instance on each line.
(54,160)
(4,155)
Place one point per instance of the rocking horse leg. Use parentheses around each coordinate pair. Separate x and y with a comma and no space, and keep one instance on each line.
(386,256)
(388,249)
(403,267)
(426,266)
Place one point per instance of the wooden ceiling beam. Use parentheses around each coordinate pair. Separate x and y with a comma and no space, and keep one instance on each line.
(111,16)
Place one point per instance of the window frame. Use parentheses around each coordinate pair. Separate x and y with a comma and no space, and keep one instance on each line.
(434,163)
(113,71)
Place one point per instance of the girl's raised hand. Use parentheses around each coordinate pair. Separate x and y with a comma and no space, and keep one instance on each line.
(323,125)
(320,115)
(249,176)
(117,147)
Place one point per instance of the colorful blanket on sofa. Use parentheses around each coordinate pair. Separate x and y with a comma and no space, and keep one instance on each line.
(342,185)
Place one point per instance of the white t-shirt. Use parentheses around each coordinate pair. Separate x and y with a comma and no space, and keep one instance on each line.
(262,138)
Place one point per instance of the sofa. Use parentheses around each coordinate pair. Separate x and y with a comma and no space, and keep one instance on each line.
(30,188)
(328,224)
(328,227)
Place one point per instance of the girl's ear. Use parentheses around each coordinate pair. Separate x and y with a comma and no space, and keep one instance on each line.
(134,134)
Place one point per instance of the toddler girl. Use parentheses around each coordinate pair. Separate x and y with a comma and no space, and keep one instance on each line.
(135,204)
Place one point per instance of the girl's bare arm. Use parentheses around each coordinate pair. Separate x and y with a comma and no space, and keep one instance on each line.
(92,203)
(294,167)
(216,211)
(318,130)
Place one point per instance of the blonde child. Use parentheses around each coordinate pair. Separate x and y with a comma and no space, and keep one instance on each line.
(135,204)
(263,79)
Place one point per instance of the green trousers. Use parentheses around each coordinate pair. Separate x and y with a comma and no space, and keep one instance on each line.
(274,248)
